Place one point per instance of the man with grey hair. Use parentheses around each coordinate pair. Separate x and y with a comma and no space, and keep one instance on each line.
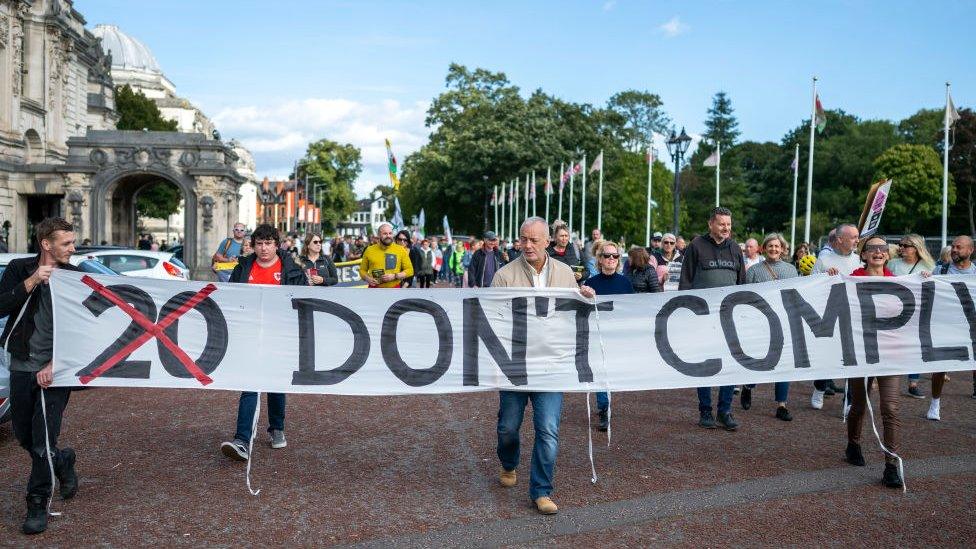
(841,259)
(533,269)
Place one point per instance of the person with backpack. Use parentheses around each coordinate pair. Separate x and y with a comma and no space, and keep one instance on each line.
(225,258)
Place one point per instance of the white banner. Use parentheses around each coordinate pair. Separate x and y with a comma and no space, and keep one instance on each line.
(112,331)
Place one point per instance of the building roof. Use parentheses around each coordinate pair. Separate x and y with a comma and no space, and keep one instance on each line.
(127,52)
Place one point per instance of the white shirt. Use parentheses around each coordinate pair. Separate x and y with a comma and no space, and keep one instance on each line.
(753,261)
(845,264)
(541,279)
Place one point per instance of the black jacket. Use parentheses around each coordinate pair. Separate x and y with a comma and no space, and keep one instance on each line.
(571,257)
(326,269)
(291,273)
(644,280)
(476,271)
(13,295)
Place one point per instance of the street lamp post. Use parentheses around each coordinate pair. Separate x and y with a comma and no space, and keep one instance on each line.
(677,147)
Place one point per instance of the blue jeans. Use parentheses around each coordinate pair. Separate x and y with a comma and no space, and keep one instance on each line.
(914,377)
(724,399)
(781,388)
(546,411)
(602,401)
(245,414)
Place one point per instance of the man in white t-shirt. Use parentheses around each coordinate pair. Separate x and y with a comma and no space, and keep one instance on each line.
(752,253)
(841,259)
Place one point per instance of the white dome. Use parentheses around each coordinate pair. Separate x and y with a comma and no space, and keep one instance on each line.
(127,52)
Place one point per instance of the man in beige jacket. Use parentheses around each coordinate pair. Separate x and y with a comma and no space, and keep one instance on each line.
(533,269)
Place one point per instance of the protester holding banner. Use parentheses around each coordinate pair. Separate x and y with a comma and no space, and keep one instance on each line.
(774,248)
(485,262)
(534,269)
(874,253)
(25,299)
(606,282)
(714,260)
(563,251)
(385,264)
(318,268)
(913,258)
(841,258)
(269,265)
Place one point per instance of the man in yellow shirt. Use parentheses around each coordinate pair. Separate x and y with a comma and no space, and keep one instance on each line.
(385,264)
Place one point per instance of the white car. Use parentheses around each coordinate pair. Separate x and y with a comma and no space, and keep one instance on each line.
(142,263)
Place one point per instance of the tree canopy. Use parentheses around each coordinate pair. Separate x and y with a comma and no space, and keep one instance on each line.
(332,168)
(138,112)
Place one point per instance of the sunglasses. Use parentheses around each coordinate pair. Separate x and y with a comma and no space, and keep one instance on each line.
(668,242)
(316,242)
(876,248)
(611,256)
(401,239)
(905,245)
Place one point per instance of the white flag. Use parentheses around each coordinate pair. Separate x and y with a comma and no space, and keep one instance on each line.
(447,232)
(951,114)
(711,161)
(597,163)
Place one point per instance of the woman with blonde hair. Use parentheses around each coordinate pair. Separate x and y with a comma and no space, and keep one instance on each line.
(913,257)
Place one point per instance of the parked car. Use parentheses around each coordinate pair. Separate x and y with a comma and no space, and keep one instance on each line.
(141,263)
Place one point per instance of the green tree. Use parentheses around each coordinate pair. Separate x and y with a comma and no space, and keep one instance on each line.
(642,114)
(160,200)
(915,201)
(721,125)
(334,168)
(923,127)
(138,112)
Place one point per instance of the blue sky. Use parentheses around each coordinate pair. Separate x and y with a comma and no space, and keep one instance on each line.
(277,75)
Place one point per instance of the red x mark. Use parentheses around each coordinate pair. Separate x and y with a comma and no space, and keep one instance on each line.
(151,331)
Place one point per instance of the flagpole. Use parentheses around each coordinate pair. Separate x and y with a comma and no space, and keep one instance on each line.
(511,209)
(813,116)
(796,176)
(718,170)
(583,207)
(535,190)
(515,215)
(501,227)
(495,204)
(945,172)
(572,182)
(650,171)
(526,197)
(548,191)
(599,196)
(561,172)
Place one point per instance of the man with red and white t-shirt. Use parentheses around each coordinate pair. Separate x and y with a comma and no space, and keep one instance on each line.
(267,265)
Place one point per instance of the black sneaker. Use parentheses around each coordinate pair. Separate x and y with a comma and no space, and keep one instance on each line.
(65,471)
(235,450)
(706,420)
(604,421)
(914,392)
(891,478)
(727,422)
(829,391)
(854,455)
(833,386)
(735,390)
(36,521)
(783,414)
(746,398)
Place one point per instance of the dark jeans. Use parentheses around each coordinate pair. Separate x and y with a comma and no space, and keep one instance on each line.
(602,401)
(781,388)
(27,419)
(821,384)
(724,399)
(245,414)
(546,411)
(423,281)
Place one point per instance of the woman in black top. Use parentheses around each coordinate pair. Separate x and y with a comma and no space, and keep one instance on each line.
(320,269)
(561,250)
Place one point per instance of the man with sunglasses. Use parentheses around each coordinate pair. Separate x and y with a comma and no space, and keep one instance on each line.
(225,258)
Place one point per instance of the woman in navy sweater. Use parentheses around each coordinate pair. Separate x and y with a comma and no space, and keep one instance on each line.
(607,281)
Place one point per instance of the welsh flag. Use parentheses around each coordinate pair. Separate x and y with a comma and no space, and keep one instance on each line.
(820,118)
(392,166)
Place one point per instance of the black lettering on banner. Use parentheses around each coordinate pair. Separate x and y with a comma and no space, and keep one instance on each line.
(870,322)
(217,336)
(391,354)
(307,374)
(583,371)
(697,305)
(476,327)
(837,311)
(98,304)
(751,299)
(542,307)
(966,300)
(930,353)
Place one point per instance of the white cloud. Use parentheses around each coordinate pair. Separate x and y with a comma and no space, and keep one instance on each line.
(277,133)
(674,27)
(609,5)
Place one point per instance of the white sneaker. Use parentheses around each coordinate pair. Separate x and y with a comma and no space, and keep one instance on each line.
(816,399)
(934,410)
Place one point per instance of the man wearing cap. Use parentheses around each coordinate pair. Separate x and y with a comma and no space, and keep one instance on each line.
(656,242)
(485,262)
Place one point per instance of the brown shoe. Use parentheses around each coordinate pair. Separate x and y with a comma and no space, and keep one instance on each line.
(507,478)
(546,506)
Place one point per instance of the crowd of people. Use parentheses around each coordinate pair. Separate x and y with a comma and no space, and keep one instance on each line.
(544,256)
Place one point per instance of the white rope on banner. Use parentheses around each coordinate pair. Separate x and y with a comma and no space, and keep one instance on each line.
(589,438)
(606,373)
(250,446)
(901,465)
(50,461)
